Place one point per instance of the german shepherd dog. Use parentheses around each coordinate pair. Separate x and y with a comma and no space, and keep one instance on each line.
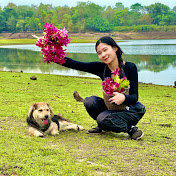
(41,121)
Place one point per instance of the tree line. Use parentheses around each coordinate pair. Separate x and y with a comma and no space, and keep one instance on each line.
(88,16)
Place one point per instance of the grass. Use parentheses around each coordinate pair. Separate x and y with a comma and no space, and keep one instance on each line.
(71,153)
(17,41)
(83,39)
(33,41)
(80,39)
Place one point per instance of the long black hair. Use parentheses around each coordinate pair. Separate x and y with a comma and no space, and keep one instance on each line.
(109,41)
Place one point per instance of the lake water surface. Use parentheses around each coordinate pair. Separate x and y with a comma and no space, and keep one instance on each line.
(155,59)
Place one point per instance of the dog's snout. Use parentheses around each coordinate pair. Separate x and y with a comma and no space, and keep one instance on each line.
(46,116)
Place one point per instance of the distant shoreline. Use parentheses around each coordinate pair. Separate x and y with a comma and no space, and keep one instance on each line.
(92,36)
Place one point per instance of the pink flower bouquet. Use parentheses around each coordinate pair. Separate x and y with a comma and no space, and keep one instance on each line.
(52,42)
(117,84)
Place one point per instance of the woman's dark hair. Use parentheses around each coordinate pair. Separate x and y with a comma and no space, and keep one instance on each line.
(109,41)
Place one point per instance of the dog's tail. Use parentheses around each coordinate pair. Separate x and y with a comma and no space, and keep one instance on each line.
(77,97)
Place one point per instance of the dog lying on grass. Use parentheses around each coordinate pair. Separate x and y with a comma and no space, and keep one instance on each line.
(41,121)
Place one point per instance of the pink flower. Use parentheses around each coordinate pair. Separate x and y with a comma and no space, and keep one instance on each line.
(52,42)
(122,90)
(117,85)
(116,72)
(108,86)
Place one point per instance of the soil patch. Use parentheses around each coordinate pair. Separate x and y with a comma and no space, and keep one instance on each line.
(93,35)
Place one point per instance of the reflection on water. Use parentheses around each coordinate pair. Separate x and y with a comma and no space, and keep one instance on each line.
(165,77)
(156,69)
(130,47)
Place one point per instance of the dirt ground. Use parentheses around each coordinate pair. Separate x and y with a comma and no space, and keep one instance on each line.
(115,35)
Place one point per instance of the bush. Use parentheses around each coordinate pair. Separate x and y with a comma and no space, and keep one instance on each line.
(144,28)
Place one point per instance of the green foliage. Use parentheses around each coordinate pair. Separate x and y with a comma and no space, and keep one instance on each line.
(98,24)
(2,22)
(71,153)
(136,7)
(156,11)
(145,28)
(86,16)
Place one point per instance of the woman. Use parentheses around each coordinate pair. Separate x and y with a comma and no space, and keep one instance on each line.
(110,54)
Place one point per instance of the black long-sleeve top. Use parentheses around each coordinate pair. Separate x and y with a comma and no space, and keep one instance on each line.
(102,70)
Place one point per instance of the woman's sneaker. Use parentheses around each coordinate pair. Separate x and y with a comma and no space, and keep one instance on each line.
(136,133)
(95,130)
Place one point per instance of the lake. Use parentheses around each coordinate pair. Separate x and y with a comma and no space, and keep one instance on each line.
(155,59)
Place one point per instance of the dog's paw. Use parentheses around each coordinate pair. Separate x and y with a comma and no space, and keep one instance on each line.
(80,128)
(38,134)
(35,132)
(53,133)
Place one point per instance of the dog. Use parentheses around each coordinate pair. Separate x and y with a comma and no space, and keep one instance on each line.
(41,121)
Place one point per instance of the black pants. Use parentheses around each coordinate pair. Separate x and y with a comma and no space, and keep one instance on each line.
(115,121)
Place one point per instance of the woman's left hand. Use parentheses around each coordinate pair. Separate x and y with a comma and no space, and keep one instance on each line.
(118,98)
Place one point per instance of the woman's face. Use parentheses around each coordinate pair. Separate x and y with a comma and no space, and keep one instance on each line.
(106,53)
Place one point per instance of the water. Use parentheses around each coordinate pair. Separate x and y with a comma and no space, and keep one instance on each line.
(130,47)
(155,59)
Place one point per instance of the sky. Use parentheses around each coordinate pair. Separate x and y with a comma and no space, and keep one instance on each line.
(72,3)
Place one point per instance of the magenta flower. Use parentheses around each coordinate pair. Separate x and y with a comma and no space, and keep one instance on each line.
(117,85)
(52,42)
(108,86)
(116,72)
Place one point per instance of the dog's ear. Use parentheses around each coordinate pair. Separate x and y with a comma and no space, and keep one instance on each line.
(29,118)
(50,110)
(31,109)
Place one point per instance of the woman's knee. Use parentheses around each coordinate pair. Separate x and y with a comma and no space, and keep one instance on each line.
(89,101)
(94,106)
(94,102)
(102,116)
(108,122)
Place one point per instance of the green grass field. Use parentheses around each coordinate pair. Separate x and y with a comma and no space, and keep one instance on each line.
(77,153)
(33,41)
(17,41)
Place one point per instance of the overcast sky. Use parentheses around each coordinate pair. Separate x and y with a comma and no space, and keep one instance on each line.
(70,3)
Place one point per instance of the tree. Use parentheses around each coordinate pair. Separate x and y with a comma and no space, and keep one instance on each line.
(169,19)
(78,19)
(27,24)
(67,22)
(145,19)
(84,12)
(136,7)
(156,11)
(174,9)
(121,17)
(35,24)
(119,6)
(42,13)
(108,14)
(78,13)
(11,17)
(11,6)
(60,12)
(79,26)
(20,26)
(54,19)
(24,11)
(133,18)
(92,10)
(98,24)
(2,22)
(85,16)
